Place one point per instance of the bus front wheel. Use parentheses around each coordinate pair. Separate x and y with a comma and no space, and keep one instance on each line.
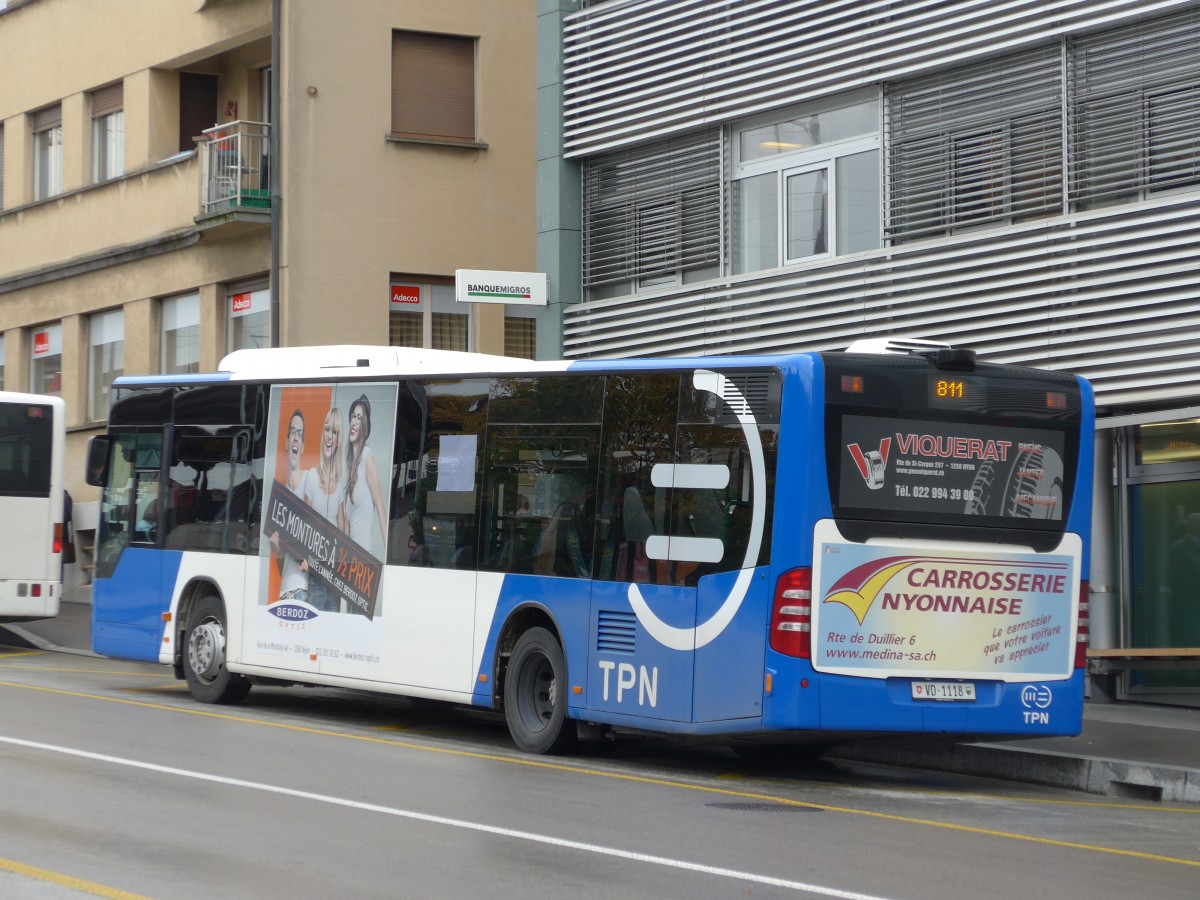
(535,705)
(208,680)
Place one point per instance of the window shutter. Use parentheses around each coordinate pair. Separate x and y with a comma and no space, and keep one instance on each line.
(653,209)
(1135,108)
(45,119)
(108,100)
(975,145)
(433,86)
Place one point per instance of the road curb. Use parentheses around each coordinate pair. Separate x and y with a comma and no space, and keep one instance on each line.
(23,638)
(1089,774)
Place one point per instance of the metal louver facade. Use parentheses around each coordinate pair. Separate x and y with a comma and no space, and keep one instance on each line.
(1112,296)
(637,70)
(1135,108)
(975,145)
(1041,178)
(651,209)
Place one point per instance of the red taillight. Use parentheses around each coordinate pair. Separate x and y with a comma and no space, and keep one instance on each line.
(1081,634)
(791,614)
(58,537)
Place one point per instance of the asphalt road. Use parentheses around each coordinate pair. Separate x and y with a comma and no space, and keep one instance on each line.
(118,784)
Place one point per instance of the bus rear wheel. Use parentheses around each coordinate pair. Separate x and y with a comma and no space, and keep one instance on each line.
(535,706)
(208,680)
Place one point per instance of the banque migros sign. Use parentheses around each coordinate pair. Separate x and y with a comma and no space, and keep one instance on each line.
(483,286)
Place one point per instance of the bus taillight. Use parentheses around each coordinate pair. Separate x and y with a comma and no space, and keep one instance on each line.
(791,614)
(1081,634)
(58,536)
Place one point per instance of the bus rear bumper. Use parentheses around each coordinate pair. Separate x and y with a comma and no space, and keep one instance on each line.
(24,600)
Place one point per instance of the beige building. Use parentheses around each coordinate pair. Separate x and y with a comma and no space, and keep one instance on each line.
(141,230)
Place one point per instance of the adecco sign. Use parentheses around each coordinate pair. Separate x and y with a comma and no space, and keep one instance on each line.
(480,286)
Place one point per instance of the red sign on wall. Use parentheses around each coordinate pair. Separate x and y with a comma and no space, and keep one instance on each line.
(406,293)
(241,302)
(41,343)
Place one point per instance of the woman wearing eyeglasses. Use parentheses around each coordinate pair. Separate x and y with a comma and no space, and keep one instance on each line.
(362,506)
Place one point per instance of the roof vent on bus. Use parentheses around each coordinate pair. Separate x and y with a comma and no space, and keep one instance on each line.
(898,345)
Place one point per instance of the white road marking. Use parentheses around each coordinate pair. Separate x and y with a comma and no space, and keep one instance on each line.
(454,823)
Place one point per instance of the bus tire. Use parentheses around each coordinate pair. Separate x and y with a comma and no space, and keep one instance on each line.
(535,685)
(208,680)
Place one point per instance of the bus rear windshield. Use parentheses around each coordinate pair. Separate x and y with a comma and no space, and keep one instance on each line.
(26,446)
(994,448)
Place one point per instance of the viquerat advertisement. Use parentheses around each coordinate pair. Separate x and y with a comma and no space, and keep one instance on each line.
(945,467)
(324,523)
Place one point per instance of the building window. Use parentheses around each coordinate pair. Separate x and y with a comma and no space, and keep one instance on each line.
(805,186)
(108,132)
(425,314)
(45,362)
(520,332)
(1135,111)
(433,86)
(180,348)
(106,360)
(47,153)
(652,215)
(977,145)
(1,361)
(249,319)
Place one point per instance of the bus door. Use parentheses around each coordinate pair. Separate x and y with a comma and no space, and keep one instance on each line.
(131,589)
(682,595)
(538,508)
(641,649)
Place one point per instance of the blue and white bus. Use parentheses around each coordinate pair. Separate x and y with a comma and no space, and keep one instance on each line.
(33,438)
(800,545)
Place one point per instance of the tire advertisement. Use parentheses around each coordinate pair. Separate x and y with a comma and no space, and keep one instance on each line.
(951,468)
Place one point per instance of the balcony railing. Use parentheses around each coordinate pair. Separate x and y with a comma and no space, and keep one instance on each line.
(234,172)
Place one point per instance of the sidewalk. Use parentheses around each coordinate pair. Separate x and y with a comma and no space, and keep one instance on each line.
(1126,749)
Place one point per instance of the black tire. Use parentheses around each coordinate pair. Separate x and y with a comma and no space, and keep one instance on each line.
(208,680)
(535,700)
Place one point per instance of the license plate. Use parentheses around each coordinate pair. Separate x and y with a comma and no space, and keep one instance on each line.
(943,690)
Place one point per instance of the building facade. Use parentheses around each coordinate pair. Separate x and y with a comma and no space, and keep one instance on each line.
(1019,177)
(182,178)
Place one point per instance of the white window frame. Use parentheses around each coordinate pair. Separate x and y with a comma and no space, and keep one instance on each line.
(258,308)
(822,156)
(41,358)
(436,297)
(106,359)
(108,146)
(47,162)
(179,314)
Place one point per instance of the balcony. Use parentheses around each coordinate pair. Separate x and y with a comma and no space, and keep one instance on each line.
(234,178)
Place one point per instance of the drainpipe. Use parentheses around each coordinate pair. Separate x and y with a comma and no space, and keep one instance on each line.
(273,156)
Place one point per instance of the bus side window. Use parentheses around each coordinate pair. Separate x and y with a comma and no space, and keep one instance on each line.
(440,529)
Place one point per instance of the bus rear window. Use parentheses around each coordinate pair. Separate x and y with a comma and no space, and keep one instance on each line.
(26,445)
(908,443)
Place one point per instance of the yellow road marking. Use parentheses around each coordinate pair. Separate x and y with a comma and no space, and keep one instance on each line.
(67,881)
(77,670)
(633,779)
